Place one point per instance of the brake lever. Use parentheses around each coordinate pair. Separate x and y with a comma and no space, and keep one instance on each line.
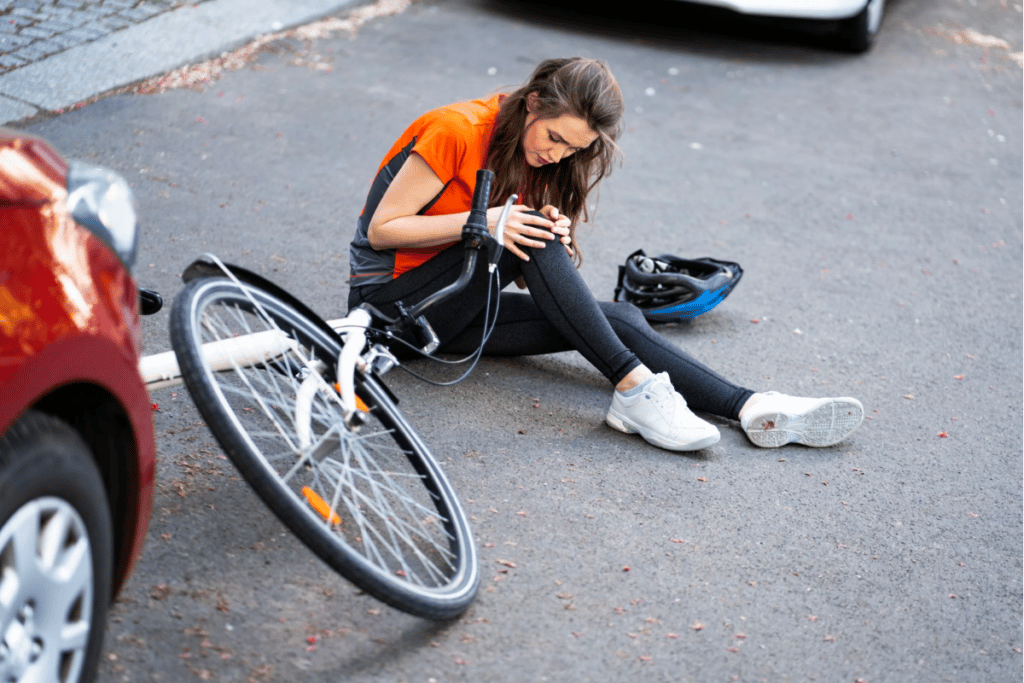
(497,244)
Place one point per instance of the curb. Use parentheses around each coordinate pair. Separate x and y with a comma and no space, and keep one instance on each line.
(152,47)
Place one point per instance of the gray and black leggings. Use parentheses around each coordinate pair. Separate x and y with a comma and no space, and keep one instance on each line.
(558,314)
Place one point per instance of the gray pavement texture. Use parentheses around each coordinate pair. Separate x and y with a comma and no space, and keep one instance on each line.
(57,54)
(875,203)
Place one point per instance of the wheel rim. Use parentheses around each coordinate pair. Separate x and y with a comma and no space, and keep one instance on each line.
(46,592)
(387,517)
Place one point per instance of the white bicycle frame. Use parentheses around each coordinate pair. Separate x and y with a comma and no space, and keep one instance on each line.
(161,370)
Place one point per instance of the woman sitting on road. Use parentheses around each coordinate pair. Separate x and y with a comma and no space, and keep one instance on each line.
(551,142)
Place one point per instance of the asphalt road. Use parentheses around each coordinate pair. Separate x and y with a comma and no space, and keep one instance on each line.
(875,204)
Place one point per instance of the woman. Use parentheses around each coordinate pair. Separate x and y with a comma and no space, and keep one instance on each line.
(551,142)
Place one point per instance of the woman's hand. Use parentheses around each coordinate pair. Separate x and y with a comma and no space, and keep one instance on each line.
(561,227)
(529,230)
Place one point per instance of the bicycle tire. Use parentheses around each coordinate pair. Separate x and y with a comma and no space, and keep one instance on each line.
(395,527)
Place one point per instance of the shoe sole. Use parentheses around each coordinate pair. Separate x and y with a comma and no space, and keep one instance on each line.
(823,425)
(621,424)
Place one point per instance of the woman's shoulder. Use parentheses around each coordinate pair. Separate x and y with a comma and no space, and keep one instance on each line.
(467,114)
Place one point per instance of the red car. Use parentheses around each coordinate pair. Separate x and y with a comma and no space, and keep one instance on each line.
(77,455)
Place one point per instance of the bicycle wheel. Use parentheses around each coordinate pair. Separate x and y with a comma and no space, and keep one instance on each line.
(372,503)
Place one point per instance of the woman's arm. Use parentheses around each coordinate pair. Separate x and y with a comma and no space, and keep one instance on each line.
(396,222)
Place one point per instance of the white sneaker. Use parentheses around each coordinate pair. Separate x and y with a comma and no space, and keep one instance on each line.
(659,414)
(777,419)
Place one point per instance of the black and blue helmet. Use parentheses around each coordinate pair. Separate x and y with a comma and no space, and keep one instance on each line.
(667,288)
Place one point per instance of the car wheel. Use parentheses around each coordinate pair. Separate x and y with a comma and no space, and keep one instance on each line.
(56,554)
(857,33)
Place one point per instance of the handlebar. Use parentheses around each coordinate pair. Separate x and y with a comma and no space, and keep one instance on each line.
(475,232)
(474,236)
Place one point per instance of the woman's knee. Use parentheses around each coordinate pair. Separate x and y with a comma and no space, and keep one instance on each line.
(551,255)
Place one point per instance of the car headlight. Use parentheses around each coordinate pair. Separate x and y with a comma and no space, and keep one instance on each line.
(101,201)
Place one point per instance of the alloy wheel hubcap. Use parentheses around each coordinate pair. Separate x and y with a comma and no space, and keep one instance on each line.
(46,592)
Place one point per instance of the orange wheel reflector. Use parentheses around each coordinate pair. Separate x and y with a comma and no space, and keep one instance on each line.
(360,403)
(320,505)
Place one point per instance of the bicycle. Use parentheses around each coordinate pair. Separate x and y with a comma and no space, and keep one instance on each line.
(299,406)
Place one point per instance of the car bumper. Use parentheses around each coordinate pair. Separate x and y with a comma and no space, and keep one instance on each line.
(797,9)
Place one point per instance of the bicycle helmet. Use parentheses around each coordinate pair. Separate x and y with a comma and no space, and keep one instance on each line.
(667,288)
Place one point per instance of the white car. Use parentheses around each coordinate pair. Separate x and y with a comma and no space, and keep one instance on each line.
(857,21)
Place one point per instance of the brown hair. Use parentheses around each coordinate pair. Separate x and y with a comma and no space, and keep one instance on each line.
(578,86)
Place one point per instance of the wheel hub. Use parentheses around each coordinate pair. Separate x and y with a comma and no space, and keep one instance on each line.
(21,646)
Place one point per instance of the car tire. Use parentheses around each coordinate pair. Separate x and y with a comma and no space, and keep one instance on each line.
(857,33)
(54,596)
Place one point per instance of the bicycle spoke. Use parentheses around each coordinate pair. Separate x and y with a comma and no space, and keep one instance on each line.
(371,501)
(400,527)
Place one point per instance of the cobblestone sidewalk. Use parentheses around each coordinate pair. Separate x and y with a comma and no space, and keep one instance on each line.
(31,30)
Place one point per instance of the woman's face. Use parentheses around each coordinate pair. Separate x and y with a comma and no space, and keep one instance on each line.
(548,141)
